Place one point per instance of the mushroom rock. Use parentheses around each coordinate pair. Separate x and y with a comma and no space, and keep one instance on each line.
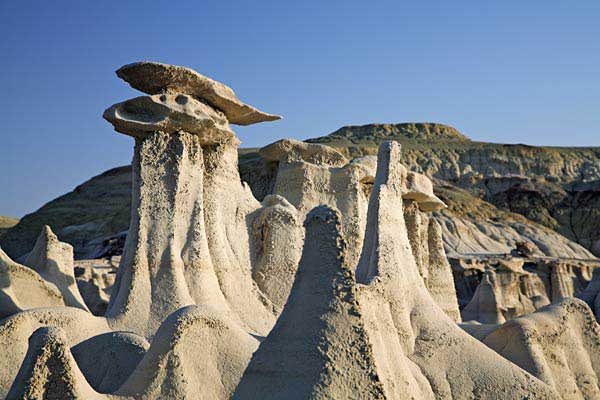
(189,236)
(559,344)
(307,185)
(419,188)
(440,282)
(77,324)
(22,288)
(107,360)
(289,150)
(319,348)
(53,260)
(157,78)
(423,341)
(49,370)
(195,353)
(277,245)
(169,113)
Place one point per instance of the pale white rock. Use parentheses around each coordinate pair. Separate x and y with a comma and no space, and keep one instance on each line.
(157,78)
(21,288)
(53,260)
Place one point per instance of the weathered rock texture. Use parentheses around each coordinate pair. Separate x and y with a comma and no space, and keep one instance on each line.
(496,289)
(53,260)
(49,370)
(21,288)
(196,352)
(559,344)
(319,347)
(158,78)
(277,239)
(95,279)
(188,241)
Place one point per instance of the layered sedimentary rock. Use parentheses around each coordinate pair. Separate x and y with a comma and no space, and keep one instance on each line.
(53,260)
(383,337)
(21,288)
(425,345)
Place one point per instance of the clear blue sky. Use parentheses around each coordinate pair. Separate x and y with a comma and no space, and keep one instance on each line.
(503,71)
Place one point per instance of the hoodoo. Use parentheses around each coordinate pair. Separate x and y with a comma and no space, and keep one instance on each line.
(188,240)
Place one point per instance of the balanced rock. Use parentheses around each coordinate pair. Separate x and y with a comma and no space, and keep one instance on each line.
(169,113)
(157,78)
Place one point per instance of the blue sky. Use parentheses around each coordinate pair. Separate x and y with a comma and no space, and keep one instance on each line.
(504,71)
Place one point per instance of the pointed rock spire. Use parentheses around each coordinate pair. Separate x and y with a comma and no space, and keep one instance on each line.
(318,348)
(53,260)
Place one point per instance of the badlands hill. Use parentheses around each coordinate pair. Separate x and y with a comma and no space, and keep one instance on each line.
(497,194)
(6,223)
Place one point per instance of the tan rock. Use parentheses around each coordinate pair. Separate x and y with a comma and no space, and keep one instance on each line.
(169,113)
(157,78)
(53,260)
(21,288)
(277,245)
(559,344)
(420,189)
(290,150)
(319,348)
(196,353)
(49,370)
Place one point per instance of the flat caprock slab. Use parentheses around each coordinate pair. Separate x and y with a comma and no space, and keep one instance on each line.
(156,78)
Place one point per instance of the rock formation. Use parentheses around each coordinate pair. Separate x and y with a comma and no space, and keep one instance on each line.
(21,288)
(53,260)
(559,344)
(188,241)
(49,370)
(319,348)
(277,239)
(364,294)
(506,291)
(95,281)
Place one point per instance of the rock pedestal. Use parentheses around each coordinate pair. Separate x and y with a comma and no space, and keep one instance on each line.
(188,241)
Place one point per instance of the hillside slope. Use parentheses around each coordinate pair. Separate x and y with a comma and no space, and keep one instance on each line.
(6,223)
(497,194)
(558,187)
